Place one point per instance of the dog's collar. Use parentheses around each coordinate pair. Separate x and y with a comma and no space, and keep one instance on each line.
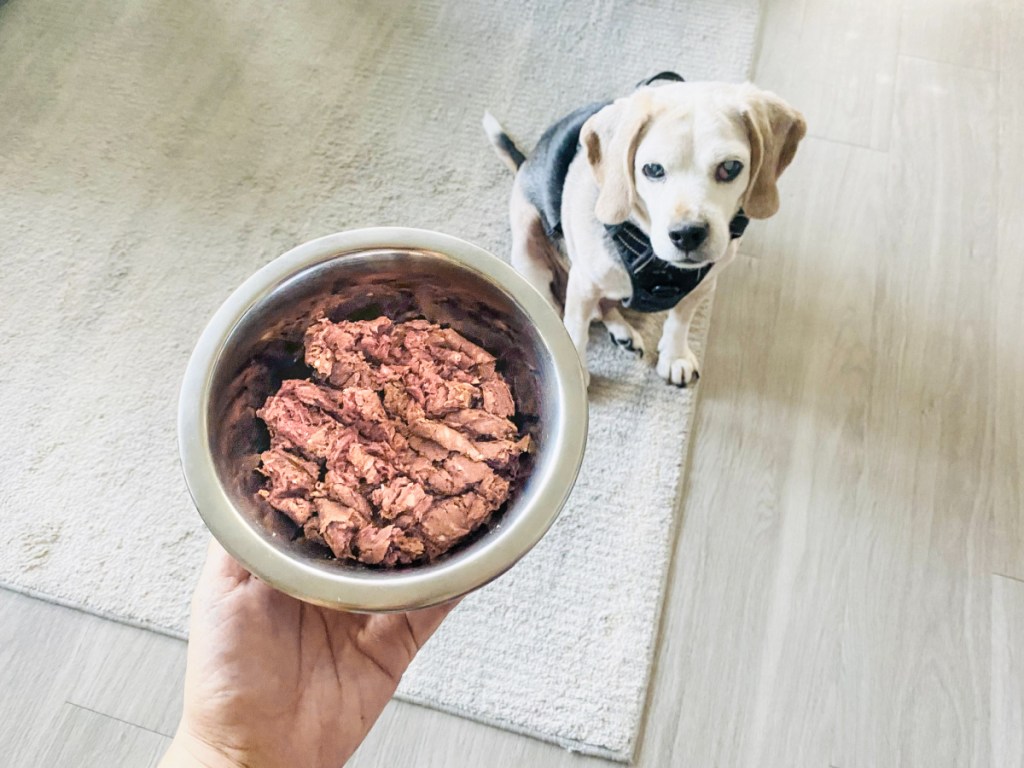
(672,77)
(657,285)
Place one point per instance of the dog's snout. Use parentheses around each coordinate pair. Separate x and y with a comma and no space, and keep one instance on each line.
(689,236)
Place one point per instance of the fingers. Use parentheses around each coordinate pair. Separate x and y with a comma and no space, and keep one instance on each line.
(424,622)
(221,574)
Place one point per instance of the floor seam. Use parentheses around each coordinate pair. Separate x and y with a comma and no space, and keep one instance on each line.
(1017,579)
(948,63)
(820,137)
(118,719)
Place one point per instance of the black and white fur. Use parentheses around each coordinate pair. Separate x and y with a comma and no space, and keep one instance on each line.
(583,174)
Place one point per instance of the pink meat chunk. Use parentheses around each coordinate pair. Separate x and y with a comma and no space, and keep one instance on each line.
(445,436)
(311,530)
(401,496)
(291,480)
(464,346)
(449,396)
(466,472)
(428,448)
(398,448)
(387,546)
(339,525)
(480,423)
(452,519)
(498,398)
(400,404)
(501,453)
(338,351)
(345,493)
(294,425)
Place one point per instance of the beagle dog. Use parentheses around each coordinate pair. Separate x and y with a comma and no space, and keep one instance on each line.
(649,195)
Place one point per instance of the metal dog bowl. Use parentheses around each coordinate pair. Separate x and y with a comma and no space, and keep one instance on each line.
(255,340)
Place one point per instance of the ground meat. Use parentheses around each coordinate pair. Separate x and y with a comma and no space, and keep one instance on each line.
(398,447)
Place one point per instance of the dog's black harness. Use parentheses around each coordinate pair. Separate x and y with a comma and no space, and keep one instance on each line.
(658,285)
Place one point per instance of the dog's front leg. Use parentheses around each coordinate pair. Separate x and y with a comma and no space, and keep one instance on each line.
(582,306)
(677,363)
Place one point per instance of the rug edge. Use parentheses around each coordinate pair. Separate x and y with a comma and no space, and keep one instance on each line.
(47,597)
(570,745)
(701,338)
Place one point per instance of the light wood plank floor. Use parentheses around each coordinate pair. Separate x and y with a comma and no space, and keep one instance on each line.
(847,589)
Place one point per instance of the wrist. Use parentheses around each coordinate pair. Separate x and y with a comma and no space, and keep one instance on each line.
(186,751)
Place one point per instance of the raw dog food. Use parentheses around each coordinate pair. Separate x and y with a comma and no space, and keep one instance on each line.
(400,445)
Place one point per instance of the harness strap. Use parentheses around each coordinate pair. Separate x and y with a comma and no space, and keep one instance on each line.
(658,285)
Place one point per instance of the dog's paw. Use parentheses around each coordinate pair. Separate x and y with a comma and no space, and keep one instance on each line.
(681,370)
(623,334)
(632,343)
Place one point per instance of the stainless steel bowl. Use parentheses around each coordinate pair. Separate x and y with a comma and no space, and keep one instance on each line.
(255,340)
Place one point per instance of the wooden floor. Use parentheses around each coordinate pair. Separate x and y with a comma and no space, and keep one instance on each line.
(848,589)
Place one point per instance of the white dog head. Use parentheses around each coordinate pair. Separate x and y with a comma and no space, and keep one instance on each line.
(681,159)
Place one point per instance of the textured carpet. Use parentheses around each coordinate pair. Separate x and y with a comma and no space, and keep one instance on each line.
(154,154)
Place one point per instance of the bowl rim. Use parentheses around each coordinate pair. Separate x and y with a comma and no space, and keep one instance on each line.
(360,590)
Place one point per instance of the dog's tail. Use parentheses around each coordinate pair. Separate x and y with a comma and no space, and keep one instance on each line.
(507,150)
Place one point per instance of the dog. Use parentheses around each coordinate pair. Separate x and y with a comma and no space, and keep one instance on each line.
(649,195)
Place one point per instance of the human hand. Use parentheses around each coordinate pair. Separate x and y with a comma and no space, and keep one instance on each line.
(272,681)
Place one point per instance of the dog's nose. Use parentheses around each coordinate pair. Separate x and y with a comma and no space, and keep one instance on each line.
(689,236)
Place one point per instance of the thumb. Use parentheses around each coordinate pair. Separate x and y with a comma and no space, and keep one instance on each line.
(424,622)
(220,575)
(220,565)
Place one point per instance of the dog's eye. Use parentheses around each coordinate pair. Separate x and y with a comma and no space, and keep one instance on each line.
(653,170)
(728,170)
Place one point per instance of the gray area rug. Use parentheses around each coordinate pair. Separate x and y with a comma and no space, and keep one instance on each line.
(154,154)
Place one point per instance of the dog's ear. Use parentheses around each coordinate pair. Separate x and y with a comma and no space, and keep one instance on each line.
(775,129)
(610,139)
